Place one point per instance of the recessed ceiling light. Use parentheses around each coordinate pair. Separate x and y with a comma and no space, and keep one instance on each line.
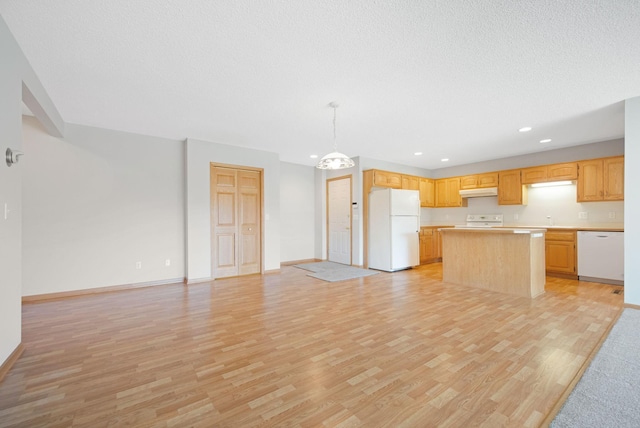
(548,140)
(525,129)
(444,160)
(418,153)
(313,156)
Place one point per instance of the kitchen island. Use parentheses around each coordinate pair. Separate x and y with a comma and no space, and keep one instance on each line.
(505,260)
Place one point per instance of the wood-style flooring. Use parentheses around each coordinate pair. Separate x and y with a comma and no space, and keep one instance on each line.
(285,349)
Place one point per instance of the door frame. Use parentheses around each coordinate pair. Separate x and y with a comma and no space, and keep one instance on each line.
(327,235)
(211,199)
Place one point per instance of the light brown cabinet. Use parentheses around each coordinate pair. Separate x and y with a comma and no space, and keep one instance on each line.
(511,191)
(478,181)
(427,193)
(410,182)
(426,245)
(554,172)
(601,179)
(430,244)
(387,179)
(560,252)
(448,193)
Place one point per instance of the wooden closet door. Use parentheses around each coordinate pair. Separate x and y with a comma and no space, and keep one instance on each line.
(235,222)
(249,220)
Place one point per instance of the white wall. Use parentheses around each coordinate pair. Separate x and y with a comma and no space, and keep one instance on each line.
(586,151)
(297,212)
(17,79)
(96,202)
(557,202)
(199,155)
(632,201)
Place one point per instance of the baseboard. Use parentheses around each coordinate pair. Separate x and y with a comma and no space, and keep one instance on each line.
(298,262)
(6,366)
(190,281)
(630,306)
(569,389)
(83,292)
(601,280)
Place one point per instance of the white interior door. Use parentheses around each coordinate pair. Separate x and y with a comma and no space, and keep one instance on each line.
(339,220)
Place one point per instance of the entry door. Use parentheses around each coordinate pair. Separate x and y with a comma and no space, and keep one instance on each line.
(339,219)
(236,221)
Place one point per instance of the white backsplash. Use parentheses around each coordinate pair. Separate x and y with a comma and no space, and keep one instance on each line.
(558,203)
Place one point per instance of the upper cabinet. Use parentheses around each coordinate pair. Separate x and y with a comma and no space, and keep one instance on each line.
(387,179)
(601,179)
(448,193)
(555,172)
(478,181)
(427,193)
(511,191)
(410,182)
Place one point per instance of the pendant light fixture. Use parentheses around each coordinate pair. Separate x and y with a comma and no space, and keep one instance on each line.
(335,160)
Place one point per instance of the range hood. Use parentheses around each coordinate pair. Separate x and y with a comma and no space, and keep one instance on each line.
(479,193)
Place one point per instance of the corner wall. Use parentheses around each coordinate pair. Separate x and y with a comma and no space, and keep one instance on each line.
(632,201)
(96,202)
(16,75)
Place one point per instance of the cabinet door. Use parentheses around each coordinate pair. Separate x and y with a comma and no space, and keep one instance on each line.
(437,244)
(469,182)
(613,172)
(426,245)
(536,174)
(590,181)
(427,193)
(489,179)
(442,197)
(387,179)
(453,192)
(510,188)
(560,256)
(562,171)
(409,182)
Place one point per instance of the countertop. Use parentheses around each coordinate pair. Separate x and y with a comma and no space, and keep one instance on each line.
(592,227)
(495,230)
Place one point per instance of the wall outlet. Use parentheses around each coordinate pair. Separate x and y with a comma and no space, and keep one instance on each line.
(583,215)
(515,216)
(167,262)
(612,214)
(138,265)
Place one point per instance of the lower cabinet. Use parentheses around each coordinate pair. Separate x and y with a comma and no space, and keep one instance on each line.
(426,245)
(560,252)
(430,244)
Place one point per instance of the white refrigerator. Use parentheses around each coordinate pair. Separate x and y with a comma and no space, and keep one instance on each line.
(394,225)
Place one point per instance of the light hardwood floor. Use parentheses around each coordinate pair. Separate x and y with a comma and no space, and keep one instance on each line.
(285,349)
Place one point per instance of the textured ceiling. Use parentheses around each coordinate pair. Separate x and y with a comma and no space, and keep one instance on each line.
(452,79)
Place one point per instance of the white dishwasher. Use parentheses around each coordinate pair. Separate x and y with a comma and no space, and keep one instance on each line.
(601,257)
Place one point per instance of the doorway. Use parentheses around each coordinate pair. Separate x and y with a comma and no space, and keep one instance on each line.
(236,221)
(339,219)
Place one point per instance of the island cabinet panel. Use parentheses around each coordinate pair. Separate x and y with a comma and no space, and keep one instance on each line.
(560,253)
(387,179)
(511,191)
(601,179)
(427,193)
(504,260)
(410,182)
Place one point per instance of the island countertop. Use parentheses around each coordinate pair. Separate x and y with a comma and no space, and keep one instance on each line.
(496,230)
